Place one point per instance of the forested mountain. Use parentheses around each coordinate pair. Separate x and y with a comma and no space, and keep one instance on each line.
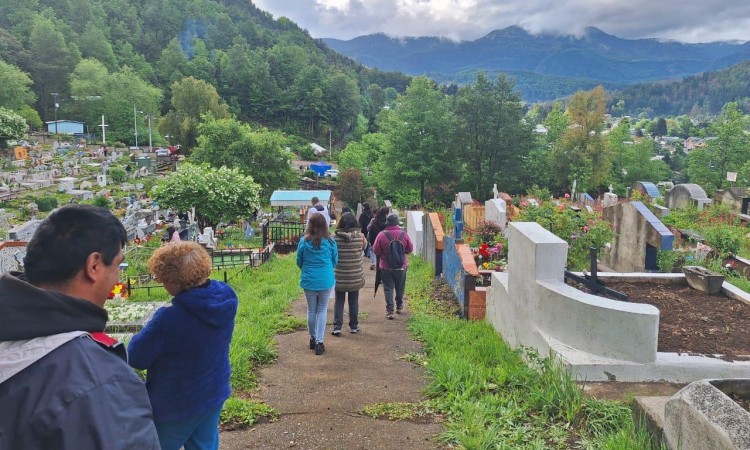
(566,63)
(705,94)
(119,57)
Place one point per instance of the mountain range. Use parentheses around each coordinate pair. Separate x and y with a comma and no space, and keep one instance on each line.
(544,67)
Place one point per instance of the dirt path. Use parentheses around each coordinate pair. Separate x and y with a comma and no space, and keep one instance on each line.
(318,396)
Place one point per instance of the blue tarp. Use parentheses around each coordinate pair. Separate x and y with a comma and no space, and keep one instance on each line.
(320,168)
(299,198)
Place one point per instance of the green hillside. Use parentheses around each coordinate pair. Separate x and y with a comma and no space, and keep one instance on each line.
(120,57)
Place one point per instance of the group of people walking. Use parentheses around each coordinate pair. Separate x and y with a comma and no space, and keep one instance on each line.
(331,265)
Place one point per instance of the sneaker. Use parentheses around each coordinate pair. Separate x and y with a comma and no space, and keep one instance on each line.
(320,348)
(389,316)
(336,332)
(372,266)
(354,330)
(312,343)
(399,310)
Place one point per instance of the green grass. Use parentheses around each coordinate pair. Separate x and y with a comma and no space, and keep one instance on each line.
(495,397)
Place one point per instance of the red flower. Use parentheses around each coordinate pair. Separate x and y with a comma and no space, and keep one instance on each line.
(484,250)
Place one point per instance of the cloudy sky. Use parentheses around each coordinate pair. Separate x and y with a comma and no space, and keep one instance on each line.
(681,20)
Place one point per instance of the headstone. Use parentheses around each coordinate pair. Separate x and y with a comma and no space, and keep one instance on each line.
(24,232)
(495,192)
(101,179)
(66,184)
(86,185)
(589,209)
(495,211)
(609,199)
(207,238)
(414,229)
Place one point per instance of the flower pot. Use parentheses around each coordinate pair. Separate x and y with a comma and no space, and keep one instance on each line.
(703,279)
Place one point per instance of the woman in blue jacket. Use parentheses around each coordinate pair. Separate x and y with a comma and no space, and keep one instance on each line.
(185,348)
(317,255)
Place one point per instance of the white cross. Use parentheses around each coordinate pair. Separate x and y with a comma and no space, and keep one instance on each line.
(104,131)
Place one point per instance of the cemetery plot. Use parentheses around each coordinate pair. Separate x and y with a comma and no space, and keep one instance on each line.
(694,322)
(129,317)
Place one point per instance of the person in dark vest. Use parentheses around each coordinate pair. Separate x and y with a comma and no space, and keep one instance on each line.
(394,278)
(377,224)
(350,277)
(64,383)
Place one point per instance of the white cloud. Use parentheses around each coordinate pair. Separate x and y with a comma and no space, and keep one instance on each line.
(682,20)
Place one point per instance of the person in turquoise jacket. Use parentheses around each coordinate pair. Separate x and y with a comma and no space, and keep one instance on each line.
(317,255)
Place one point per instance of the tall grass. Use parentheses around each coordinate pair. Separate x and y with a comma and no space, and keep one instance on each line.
(496,397)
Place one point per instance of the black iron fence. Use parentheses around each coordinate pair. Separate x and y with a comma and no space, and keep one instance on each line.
(283,235)
(222,260)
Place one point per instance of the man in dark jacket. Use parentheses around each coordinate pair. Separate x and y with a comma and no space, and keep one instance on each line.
(394,278)
(64,384)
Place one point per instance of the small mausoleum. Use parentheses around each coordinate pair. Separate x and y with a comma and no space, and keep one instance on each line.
(65,127)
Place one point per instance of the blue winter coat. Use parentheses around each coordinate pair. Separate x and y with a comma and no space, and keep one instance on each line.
(317,264)
(185,348)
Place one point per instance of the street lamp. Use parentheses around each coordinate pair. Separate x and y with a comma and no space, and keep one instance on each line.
(149,116)
(57,105)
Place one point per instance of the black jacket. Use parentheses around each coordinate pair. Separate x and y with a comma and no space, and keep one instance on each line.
(364,221)
(63,383)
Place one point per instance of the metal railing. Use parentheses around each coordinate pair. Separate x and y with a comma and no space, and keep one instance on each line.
(284,235)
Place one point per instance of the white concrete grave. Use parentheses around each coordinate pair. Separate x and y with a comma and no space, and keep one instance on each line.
(66,184)
(414,229)
(596,338)
(101,179)
(609,199)
(86,185)
(494,211)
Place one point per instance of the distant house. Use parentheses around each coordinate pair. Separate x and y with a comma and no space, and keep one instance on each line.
(692,143)
(317,149)
(65,127)
(541,129)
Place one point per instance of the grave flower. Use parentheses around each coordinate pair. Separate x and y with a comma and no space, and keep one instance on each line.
(118,292)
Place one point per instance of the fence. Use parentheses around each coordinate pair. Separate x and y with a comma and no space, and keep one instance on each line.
(221,260)
(284,235)
(473,217)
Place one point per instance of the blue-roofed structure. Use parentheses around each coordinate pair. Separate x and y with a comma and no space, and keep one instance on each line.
(299,198)
(648,188)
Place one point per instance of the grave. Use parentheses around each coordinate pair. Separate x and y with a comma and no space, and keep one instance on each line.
(494,211)
(11,256)
(66,184)
(736,198)
(638,235)
(683,195)
(595,338)
(414,229)
(647,189)
(24,231)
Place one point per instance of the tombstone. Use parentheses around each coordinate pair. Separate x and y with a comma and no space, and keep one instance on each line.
(495,192)
(86,185)
(495,211)
(609,199)
(589,209)
(207,238)
(24,232)
(686,194)
(414,229)
(101,179)
(388,204)
(66,184)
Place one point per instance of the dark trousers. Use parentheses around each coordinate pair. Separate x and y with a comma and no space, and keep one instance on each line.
(338,310)
(393,280)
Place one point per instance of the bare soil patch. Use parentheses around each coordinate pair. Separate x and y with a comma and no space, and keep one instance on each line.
(694,322)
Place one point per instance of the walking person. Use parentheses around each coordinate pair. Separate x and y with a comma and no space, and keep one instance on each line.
(317,255)
(377,224)
(392,244)
(350,277)
(188,372)
(364,221)
(64,384)
(317,208)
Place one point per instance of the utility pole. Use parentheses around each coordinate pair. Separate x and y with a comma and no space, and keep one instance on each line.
(149,116)
(135,122)
(55,94)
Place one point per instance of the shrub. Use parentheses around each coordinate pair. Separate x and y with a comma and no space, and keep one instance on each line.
(101,201)
(46,204)
(725,240)
(118,174)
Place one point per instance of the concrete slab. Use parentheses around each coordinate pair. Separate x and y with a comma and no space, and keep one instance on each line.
(649,412)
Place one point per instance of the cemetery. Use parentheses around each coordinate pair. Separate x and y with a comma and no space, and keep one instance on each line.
(634,310)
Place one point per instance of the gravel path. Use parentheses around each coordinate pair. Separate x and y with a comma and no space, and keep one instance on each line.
(318,396)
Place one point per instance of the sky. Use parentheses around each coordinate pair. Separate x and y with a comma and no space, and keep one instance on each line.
(679,20)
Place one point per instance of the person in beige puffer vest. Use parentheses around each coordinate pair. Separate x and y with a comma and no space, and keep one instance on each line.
(350,277)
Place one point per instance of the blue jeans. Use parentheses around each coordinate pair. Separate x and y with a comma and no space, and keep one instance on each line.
(317,311)
(199,433)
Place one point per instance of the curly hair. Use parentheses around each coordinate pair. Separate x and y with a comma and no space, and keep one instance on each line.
(185,263)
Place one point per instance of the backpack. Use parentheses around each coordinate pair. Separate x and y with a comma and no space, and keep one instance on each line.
(396,253)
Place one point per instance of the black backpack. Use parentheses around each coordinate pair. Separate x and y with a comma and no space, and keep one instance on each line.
(396,253)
